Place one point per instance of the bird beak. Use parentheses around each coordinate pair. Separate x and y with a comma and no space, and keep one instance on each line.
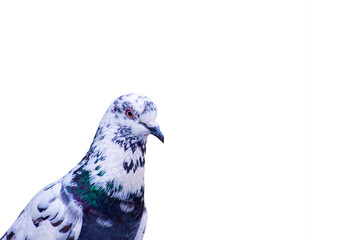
(157,133)
(155,130)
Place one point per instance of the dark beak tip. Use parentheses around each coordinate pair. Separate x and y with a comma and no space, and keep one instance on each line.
(160,136)
(157,133)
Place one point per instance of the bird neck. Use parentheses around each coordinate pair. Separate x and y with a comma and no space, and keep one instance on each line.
(115,163)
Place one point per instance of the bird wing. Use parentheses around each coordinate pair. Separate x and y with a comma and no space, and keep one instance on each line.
(51,215)
(142,227)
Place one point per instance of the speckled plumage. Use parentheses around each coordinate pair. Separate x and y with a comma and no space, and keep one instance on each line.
(103,196)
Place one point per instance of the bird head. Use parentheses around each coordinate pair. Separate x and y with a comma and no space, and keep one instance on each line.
(134,115)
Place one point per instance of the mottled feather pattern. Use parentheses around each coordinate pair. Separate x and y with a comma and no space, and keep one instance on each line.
(103,196)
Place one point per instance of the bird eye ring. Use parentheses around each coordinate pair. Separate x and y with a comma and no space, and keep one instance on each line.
(129,113)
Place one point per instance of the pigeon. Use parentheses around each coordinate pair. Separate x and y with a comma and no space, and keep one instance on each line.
(103,196)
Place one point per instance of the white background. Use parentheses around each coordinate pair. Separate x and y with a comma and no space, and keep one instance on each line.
(258,101)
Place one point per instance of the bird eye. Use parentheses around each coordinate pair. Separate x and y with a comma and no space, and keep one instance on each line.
(129,113)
